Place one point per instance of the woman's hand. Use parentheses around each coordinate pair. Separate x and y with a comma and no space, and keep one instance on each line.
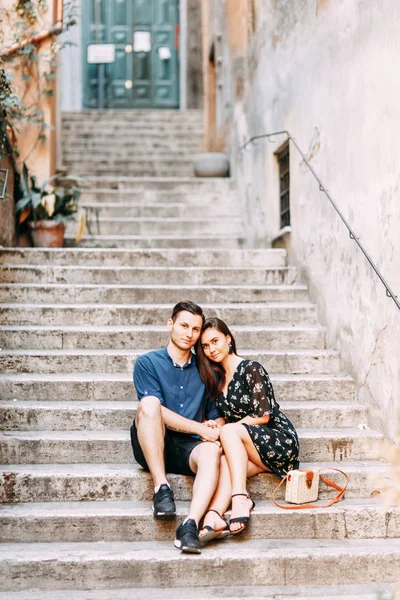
(209,433)
(211,423)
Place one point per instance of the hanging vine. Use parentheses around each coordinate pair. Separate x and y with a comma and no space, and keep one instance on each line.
(33,67)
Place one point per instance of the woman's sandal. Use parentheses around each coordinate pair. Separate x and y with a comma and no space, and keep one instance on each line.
(242,520)
(213,534)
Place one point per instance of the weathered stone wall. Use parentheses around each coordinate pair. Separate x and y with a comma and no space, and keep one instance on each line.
(324,70)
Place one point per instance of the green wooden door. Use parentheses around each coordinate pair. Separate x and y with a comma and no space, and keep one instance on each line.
(145,73)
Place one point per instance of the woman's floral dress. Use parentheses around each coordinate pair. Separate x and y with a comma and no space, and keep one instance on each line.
(250,393)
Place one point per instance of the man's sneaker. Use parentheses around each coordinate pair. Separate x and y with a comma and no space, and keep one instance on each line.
(187,537)
(164,503)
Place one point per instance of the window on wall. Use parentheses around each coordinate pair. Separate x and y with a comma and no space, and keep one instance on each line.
(284,184)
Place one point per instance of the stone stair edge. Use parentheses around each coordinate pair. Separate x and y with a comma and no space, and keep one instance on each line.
(143,507)
(127,377)
(97,482)
(111,405)
(134,470)
(119,435)
(285,562)
(132,352)
(294,286)
(349,519)
(159,328)
(373,591)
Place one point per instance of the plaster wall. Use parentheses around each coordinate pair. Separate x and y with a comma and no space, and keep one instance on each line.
(326,71)
(39,155)
(70,66)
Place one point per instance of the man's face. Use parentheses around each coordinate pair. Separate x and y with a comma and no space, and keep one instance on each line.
(185,331)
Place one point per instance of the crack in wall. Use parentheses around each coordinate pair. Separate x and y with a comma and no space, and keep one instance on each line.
(374,354)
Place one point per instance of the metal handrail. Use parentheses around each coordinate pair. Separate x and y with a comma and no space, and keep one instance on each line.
(353,236)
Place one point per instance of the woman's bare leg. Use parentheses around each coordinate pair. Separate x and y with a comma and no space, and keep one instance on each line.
(239,451)
(222,497)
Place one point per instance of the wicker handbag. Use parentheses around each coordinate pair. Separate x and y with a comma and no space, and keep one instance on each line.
(302,488)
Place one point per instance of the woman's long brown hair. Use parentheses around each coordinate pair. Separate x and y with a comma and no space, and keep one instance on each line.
(212,373)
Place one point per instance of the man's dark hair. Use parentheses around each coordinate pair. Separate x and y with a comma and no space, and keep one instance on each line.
(191,307)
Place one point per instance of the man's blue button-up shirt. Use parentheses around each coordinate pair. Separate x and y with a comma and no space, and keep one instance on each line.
(178,388)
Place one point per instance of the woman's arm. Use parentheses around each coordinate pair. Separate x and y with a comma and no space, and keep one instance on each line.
(260,395)
(255,420)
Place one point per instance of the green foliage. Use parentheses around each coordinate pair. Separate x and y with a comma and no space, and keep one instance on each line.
(11,108)
(23,21)
(56,199)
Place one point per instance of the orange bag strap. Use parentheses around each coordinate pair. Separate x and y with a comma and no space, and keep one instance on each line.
(341,490)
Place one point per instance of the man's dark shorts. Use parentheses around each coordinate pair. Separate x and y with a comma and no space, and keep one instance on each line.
(177,450)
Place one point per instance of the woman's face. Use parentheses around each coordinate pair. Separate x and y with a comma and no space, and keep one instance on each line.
(215,344)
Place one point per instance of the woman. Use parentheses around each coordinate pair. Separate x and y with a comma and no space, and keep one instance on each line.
(257,436)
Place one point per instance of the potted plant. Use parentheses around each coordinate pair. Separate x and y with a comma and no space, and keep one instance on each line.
(214,163)
(46,209)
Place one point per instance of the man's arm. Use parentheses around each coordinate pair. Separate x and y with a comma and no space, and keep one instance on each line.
(181,424)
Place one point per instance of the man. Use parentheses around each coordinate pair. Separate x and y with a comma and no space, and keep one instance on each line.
(176,429)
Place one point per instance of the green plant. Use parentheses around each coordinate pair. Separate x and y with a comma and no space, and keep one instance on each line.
(57,199)
(22,21)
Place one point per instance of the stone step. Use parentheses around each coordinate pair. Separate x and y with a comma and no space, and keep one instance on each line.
(93,152)
(132,521)
(149,294)
(159,210)
(118,386)
(162,275)
(98,482)
(123,131)
(173,257)
(373,591)
(316,445)
(168,121)
(133,140)
(145,564)
(146,168)
(136,314)
(132,114)
(125,275)
(133,163)
(61,415)
(122,361)
(16,337)
(124,123)
(158,146)
(136,137)
(172,184)
(157,241)
(156,226)
(197,199)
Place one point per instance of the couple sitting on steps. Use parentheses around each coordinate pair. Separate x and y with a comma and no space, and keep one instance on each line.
(212,415)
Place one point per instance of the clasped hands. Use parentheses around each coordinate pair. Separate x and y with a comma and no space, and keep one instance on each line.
(210,431)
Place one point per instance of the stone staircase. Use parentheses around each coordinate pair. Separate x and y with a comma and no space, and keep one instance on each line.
(75,516)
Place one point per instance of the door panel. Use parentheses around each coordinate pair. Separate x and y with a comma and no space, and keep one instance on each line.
(119,95)
(165,72)
(147,78)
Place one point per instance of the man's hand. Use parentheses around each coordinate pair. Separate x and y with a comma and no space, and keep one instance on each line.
(209,433)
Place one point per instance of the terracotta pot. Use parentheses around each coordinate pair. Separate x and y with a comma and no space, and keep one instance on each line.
(211,164)
(47,234)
